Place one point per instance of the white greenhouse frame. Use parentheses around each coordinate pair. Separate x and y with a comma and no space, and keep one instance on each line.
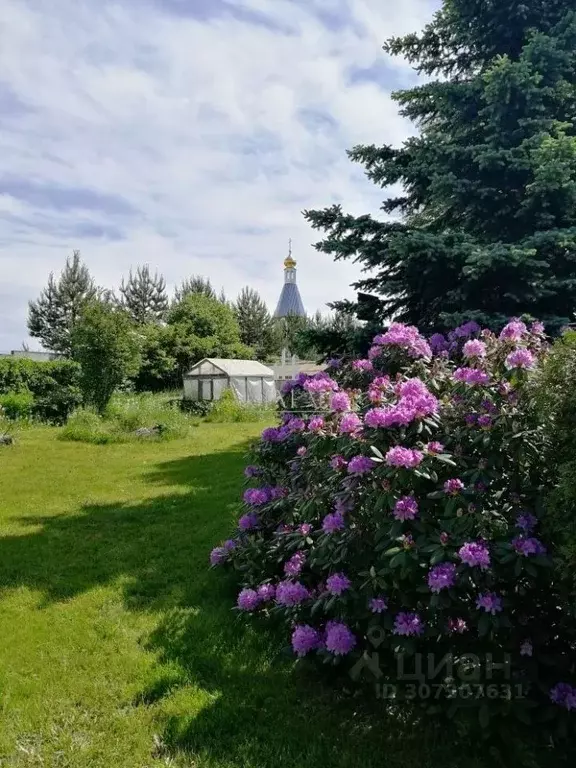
(249,381)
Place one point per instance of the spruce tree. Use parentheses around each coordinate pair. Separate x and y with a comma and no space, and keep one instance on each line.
(485,226)
(197,284)
(53,316)
(144,296)
(256,325)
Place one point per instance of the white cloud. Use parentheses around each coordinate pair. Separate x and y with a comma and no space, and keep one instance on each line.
(213,131)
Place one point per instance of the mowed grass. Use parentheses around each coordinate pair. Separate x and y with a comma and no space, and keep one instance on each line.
(118,648)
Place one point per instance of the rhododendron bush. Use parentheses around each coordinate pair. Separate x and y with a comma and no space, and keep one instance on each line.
(399,518)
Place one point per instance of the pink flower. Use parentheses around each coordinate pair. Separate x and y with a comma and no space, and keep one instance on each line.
(520,358)
(471,376)
(374,352)
(362,365)
(475,554)
(398,456)
(338,462)
(406,508)
(316,424)
(489,602)
(378,604)
(406,336)
(513,331)
(453,486)
(474,348)
(302,451)
(350,423)
(434,447)
(340,402)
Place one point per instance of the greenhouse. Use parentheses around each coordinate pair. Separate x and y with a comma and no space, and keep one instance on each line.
(248,380)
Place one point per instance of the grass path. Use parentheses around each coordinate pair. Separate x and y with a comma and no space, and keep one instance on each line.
(117,645)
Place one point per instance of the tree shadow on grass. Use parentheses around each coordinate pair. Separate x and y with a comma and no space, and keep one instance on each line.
(159,547)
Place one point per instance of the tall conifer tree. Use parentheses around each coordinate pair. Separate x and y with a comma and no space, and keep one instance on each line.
(144,296)
(53,316)
(485,226)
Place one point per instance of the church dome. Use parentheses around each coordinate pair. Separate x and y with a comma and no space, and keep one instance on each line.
(289,262)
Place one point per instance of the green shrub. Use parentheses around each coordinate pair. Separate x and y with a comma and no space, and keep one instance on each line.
(402,524)
(125,415)
(228,410)
(86,426)
(55,386)
(17,405)
(557,400)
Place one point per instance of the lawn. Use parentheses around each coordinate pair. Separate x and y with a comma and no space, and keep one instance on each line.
(118,648)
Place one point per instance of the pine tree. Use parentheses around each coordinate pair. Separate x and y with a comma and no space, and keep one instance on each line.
(194,285)
(52,317)
(256,324)
(144,296)
(485,227)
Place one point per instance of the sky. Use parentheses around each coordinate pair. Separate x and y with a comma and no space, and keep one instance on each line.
(189,135)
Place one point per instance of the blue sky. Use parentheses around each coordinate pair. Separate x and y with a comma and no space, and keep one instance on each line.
(189,135)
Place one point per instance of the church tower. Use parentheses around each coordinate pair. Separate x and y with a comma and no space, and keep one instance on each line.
(290,302)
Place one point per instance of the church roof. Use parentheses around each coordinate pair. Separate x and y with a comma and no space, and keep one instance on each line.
(290,302)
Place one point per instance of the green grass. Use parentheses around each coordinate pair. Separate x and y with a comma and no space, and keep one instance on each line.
(118,648)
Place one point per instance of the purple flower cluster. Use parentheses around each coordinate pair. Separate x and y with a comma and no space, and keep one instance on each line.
(441,577)
(333,522)
(350,424)
(564,695)
(290,593)
(398,456)
(407,337)
(474,348)
(275,434)
(520,358)
(408,624)
(489,602)
(316,424)
(338,462)
(305,639)
(256,496)
(475,553)
(340,402)
(337,583)
(527,545)
(305,529)
(248,600)
(471,376)
(438,343)
(453,486)
(434,447)
(379,388)
(266,592)
(415,402)
(339,638)
(252,471)
(220,554)
(320,383)
(406,508)
(513,331)
(249,521)
(294,566)
(360,465)
(526,522)
(378,604)
(362,365)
